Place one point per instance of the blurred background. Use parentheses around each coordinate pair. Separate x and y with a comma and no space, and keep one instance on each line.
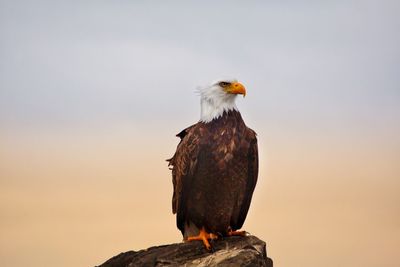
(92,94)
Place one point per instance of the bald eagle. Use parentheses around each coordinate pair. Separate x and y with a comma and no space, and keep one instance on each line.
(215,167)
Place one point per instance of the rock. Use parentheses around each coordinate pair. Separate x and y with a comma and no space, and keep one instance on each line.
(229,251)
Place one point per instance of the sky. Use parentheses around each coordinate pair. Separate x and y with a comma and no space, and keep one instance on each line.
(92,94)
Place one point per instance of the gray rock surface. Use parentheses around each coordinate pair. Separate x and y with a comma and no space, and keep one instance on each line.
(229,251)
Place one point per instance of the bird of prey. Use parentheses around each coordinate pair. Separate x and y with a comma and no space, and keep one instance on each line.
(215,167)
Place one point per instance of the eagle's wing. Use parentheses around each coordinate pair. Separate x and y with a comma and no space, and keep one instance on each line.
(184,163)
(252,174)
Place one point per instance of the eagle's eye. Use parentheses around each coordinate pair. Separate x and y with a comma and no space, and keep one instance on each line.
(224,84)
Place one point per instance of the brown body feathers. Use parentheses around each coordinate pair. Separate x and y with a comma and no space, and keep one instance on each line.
(214,172)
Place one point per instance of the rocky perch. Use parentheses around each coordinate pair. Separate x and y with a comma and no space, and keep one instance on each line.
(230,251)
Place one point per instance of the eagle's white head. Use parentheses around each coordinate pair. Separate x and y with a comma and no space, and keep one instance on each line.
(219,97)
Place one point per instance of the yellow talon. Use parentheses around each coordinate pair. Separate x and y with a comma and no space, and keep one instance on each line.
(237,233)
(203,236)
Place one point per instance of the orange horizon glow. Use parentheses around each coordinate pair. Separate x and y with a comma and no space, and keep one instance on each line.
(86,196)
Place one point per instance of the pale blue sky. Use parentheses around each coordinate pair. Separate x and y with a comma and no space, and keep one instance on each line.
(304,62)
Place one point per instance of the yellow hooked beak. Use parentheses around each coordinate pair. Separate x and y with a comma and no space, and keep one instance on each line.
(236,88)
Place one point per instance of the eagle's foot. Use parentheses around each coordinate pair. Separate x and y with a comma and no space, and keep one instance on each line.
(237,233)
(203,236)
